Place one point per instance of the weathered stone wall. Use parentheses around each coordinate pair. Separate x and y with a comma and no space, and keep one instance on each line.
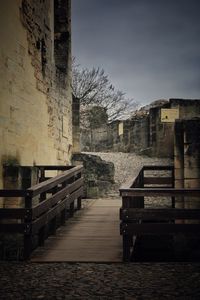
(188,108)
(162,134)
(139,134)
(115,138)
(76,124)
(35,75)
(187,160)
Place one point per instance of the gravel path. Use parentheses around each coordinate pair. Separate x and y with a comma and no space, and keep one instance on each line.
(128,164)
(90,281)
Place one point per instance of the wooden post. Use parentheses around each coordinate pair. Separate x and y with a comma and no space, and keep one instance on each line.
(41,236)
(79,203)
(63,216)
(64,212)
(71,209)
(127,243)
(53,225)
(42,174)
(28,228)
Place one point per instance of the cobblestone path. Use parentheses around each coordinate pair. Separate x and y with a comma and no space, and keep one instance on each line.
(89,281)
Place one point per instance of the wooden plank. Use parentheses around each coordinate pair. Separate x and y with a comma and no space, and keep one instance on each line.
(157,168)
(76,194)
(158,214)
(91,236)
(53,212)
(54,168)
(12,213)
(159,228)
(157,192)
(50,183)
(47,217)
(13,193)
(157,180)
(48,203)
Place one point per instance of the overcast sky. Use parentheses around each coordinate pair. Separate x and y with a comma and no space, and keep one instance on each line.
(149,48)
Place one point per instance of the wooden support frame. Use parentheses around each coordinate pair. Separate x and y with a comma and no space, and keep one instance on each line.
(138,220)
(64,188)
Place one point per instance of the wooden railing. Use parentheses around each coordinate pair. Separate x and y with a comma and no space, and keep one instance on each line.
(137,220)
(46,205)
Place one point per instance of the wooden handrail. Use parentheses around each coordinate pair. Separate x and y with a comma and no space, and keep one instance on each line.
(158,214)
(157,168)
(54,168)
(52,182)
(157,192)
(137,220)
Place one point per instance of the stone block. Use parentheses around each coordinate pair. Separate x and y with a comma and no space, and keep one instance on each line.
(178,174)
(192,183)
(179,183)
(191,173)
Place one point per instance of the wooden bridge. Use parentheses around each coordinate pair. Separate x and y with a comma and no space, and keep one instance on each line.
(92,234)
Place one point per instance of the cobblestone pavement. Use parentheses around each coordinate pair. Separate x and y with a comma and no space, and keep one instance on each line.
(100,281)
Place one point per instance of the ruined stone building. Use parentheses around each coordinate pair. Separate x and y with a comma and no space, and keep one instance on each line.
(35,83)
(149,131)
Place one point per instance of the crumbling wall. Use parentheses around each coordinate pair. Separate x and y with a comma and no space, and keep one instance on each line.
(98,174)
(188,108)
(143,133)
(35,98)
(139,134)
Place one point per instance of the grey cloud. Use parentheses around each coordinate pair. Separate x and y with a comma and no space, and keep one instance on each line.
(149,48)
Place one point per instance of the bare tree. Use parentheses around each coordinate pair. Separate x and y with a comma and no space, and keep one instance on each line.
(93,88)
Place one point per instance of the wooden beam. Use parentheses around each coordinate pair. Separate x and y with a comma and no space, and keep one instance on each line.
(158,214)
(157,180)
(48,203)
(158,168)
(157,192)
(52,182)
(159,228)
(54,168)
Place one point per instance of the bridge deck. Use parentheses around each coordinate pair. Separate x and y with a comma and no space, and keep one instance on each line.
(92,235)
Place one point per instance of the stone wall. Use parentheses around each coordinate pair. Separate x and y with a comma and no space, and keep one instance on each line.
(160,134)
(187,159)
(35,76)
(76,124)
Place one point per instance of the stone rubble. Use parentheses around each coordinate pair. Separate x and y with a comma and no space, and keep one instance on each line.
(128,164)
